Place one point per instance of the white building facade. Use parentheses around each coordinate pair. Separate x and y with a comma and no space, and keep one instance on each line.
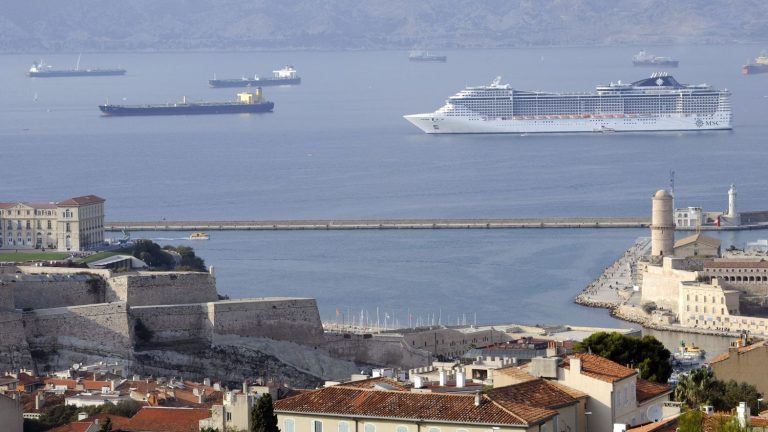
(74,224)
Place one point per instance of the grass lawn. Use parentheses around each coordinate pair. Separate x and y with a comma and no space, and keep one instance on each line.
(32,256)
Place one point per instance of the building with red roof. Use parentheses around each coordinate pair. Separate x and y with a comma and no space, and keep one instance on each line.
(73,224)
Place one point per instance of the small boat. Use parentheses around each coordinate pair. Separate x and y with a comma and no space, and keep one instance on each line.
(426,56)
(199,236)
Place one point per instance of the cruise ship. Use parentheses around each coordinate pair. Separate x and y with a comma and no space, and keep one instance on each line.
(658,103)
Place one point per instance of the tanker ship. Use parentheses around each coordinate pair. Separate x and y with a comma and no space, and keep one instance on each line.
(245,103)
(42,70)
(284,76)
(426,56)
(759,66)
(644,58)
(658,103)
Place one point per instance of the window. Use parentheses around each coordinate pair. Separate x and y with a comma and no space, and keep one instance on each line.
(49,224)
(433,429)
(229,416)
(317,426)
(289,425)
(68,229)
(370,427)
(344,427)
(402,429)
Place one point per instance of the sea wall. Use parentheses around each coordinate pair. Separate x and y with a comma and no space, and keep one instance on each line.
(98,329)
(162,288)
(291,319)
(380,350)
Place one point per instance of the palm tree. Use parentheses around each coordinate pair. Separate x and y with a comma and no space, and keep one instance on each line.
(699,387)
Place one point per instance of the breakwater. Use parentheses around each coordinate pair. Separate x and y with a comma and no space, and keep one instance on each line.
(349,224)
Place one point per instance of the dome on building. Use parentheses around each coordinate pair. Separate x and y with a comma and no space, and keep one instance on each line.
(661,193)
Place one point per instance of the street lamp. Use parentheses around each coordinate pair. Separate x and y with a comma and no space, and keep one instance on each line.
(587,414)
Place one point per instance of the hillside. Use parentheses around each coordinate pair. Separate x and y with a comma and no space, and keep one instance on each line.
(52,25)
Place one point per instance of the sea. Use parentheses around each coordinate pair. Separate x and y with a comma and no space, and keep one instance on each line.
(337,147)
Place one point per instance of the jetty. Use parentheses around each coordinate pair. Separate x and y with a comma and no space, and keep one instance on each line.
(351,224)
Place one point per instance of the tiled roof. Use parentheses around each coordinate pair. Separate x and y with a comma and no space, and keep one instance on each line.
(515,373)
(26,379)
(601,368)
(82,200)
(648,390)
(5,380)
(373,382)
(157,419)
(726,355)
(698,238)
(140,386)
(538,394)
(736,264)
(5,205)
(81,426)
(69,383)
(440,407)
(664,425)
(576,394)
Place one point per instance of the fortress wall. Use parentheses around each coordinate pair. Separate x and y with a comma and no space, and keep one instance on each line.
(172,323)
(14,350)
(42,292)
(292,319)
(101,328)
(162,288)
(104,273)
(376,351)
(6,296)
(661,285)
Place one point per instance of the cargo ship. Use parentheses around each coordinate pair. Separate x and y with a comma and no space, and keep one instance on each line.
(426,56)
(644,58)
(284,76)
(249,102)
(657,103)
(42,70)
(759,66)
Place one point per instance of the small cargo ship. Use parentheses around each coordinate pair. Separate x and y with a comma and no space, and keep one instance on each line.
(426,56)
(284,76)
(249,102)
(644,58)
(42,70)
(759,66)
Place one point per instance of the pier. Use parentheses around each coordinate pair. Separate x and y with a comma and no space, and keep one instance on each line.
(349,224)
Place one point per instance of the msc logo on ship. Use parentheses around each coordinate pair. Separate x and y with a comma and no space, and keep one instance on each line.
(699,122)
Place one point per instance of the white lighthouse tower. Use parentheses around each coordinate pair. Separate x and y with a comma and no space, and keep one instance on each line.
(732,218)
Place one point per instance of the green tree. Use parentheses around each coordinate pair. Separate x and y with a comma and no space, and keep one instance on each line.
(263,418)
(699,387)
(728,424)
(151,253)
(691,421)
(738,392)
(646,353)
(189,261)
(107,426)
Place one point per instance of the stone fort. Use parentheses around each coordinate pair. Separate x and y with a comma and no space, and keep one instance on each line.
(47,311)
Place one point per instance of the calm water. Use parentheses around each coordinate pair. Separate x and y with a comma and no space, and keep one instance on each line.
(337,147)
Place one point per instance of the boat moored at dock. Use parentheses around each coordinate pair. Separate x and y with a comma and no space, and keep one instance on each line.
(284,76)
(657,103)
(248,102)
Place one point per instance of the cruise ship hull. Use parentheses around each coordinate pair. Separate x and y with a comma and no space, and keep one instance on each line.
(435,123)
(185,109)
(262,82)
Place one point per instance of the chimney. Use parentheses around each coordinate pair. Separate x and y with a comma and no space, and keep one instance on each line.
(443,377)
(461,381)
(200,396)
(576,365)
(245,387)
(418,381)
(136,378)
(39,400)
(743,414)
(82,416)
(207,382)
(478,399)
(217,386)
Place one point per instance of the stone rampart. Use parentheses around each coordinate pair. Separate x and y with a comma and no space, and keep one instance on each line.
(292,319)
(14,350)
(162,288)
(56,290)
(6,296)
(104,273)
(172,323)
(380,351)
(99,328)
